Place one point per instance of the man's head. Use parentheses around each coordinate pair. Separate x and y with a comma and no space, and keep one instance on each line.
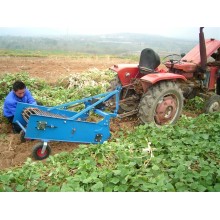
(19,88)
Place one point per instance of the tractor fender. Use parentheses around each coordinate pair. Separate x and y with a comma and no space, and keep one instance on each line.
(126,72)
(153,78)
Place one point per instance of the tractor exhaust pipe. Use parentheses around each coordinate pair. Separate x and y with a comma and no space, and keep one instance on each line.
(202,48)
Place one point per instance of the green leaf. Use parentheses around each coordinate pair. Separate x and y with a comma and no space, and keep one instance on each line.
(117,172)
(201,188)
(8,189)
(5,179)
(217,187)
(108,189)
(122,188)
(132,164)
(205,136)
(115,180)
(79,189)
(66,188)
(42,186)
(204,173)
(35,176)
(53,189)
(20,188)
(170,187)
(155,167)
(97,187)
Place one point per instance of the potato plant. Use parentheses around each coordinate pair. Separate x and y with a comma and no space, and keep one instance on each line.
(93,82)
(184,157)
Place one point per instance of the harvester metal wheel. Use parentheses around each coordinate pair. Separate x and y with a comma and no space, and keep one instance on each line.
(162,104)
(36,152)
(212,104)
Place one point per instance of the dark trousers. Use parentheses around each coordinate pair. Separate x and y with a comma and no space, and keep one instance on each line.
(16,128)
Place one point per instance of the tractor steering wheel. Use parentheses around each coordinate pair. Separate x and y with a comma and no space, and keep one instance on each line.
(172,61)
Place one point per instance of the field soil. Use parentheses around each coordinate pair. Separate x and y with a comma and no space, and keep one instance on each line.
(12,151)
(53,68)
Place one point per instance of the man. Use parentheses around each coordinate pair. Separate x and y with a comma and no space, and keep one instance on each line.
(216,56)
(19,94)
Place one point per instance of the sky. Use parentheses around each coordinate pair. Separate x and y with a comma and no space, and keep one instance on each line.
(158,17)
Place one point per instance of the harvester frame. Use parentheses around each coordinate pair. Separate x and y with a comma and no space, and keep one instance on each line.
(60,124)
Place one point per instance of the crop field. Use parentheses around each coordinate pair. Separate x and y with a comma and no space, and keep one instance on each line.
(183,157)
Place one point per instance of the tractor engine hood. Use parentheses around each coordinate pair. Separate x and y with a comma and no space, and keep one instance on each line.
(194,55)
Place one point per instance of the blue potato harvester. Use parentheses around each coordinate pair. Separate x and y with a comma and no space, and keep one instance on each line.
(59,123)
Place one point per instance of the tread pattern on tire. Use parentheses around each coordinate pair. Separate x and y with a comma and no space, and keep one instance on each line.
(150,100)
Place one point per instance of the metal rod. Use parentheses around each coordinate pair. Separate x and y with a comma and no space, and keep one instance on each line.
(95,104)
(21,126)
(44,147)
(79,101)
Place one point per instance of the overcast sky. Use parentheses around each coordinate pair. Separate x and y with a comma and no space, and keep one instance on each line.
(163,17)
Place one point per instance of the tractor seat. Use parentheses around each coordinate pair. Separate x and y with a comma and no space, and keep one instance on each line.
(149,61)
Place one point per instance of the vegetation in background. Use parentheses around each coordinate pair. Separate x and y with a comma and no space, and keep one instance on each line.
(66,90)
(115,44)
(195,105)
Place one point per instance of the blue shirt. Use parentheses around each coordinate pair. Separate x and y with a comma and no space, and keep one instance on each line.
(11,101)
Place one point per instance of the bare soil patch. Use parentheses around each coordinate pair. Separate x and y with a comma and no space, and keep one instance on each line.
(53,68)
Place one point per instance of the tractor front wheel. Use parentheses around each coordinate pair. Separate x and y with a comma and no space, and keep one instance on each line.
(162,104)
(212,104)
(37,151)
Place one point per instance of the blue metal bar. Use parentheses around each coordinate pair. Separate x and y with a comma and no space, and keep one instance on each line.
(110,94)
(117,100)
(21,126)
(79,101)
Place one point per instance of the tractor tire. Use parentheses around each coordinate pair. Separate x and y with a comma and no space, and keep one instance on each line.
(36,151)
(212,104)
(162,104)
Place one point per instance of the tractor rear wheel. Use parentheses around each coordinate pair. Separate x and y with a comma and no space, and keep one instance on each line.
(212,104)
(162,104)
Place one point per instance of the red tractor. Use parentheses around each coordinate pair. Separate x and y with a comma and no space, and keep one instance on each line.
(157,95)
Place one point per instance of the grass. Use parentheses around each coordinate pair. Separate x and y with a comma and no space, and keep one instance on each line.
(60,53)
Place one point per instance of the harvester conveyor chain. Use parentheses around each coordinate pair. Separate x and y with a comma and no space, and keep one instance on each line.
(35,111)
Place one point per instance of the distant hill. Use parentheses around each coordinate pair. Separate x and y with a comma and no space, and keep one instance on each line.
(115,44)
